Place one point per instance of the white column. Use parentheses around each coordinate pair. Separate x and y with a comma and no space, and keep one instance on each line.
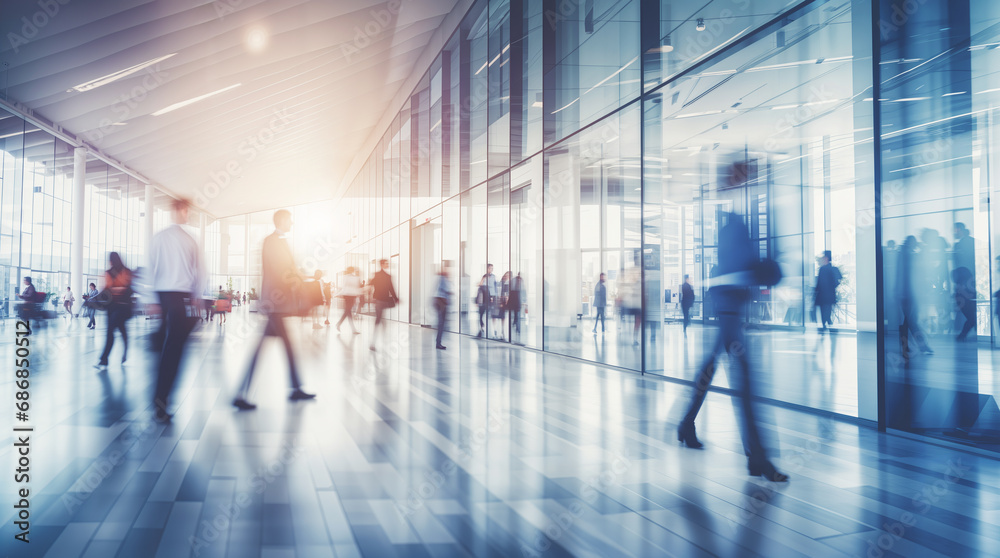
(148,221)
(78,204)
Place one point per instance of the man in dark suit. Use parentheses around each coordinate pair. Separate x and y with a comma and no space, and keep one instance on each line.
(279,290)
(827,281)
(384,294)
(687,301)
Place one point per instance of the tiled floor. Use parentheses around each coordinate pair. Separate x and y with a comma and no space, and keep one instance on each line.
(482,450)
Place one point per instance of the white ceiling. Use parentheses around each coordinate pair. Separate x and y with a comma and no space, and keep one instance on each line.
(317,79)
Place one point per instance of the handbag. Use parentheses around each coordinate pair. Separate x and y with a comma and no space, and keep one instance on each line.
(101,301)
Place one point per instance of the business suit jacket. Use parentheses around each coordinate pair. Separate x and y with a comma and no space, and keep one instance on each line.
(280,280)
(382,289)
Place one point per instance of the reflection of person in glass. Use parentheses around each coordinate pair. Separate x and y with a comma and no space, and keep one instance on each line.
(907,300)
(963,275)
(630,292)
(730,293)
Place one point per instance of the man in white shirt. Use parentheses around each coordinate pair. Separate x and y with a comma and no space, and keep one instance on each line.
(176,274)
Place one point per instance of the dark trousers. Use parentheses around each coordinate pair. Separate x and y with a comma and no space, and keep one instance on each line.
(348,314)
(442,311)
(909,328)
(176,328)
(483,308)
(515,320)
(118,314)
(600,316)
(731,341)
(275,327)
(687,317)
(967,306)
(825,316)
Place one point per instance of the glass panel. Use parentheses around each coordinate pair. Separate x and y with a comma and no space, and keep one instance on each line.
(498,255)
(526,253)
(780,145)
(592,227)
(473,264)
(939,114)
(678,35)
(499,86)
(596,64)
(525,78)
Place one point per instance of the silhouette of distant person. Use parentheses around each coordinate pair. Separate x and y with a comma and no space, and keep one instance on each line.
(737,262)
(442,298)
(825,295)
(483,303)
(963,276)
(68,301)
(280,289)
(89,311)
(28,294)
(384,295)
(350,290)
(906,298)
(118,280)
(600,301)
(687,301)
(515,302)
(178,278)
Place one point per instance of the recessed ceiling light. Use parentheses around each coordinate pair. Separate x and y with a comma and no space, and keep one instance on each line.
(183,104)
(257,38)
(95,83)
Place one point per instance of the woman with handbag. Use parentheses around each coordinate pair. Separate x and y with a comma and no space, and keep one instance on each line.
(88,308)
(117,280)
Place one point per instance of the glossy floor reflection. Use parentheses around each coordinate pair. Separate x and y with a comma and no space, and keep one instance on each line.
(482,450)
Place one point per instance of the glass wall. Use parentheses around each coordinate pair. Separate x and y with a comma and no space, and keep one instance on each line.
(937,225)
(592,151)
(36,191)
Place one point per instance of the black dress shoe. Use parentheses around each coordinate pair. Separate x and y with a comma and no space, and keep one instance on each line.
(687,436)
(299,395)
(162,416)
(442,347)
(766,470)
(243,404)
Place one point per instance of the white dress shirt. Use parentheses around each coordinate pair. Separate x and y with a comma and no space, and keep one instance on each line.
(175,262)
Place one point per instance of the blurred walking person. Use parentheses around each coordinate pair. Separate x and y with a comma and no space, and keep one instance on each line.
(964,278)
(825,295)
(906,300)
(483,303)
(349,292)
(280,290)
(442,298)
(384,295)
(731,292)
(178,278)
(118,280)
(687,301)
(68,300)
(89,311)
(514,305)
(600,302)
